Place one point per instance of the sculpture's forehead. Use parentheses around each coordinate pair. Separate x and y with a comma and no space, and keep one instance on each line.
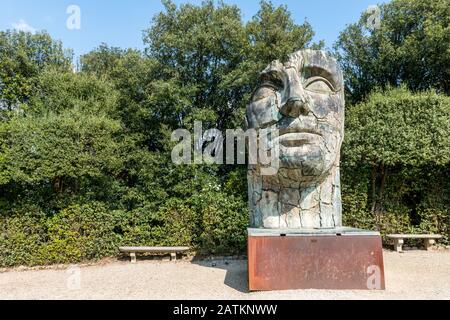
(311,63)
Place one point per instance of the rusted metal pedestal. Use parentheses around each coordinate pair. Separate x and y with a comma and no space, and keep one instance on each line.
(338,259)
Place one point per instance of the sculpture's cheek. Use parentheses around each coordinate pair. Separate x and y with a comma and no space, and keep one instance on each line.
(330,129)
(263,113)
(324,104)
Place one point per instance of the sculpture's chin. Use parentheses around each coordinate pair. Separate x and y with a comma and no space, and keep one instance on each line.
(312,161)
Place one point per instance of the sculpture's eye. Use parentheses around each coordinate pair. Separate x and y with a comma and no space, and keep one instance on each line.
(263,92)
(319,85)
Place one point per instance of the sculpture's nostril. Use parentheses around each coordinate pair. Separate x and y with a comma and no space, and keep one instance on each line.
(295,107)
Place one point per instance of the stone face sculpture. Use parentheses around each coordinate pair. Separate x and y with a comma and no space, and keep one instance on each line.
(303,99)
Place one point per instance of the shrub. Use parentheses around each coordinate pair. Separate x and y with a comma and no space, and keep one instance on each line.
(22,232)
(81,232)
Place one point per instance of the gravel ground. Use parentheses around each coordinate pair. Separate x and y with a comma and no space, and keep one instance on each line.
(411,275)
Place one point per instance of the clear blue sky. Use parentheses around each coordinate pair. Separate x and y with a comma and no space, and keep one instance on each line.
(120,22)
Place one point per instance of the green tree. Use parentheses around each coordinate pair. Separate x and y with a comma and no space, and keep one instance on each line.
(131,73)
(62,148)
(22,57)
(56,91)
(273,34)
(103,60)
(196,47)
(397,130)
(411,47)
(67,138)
(208,59)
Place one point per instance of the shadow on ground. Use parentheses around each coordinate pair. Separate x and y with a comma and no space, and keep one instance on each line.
(237,271)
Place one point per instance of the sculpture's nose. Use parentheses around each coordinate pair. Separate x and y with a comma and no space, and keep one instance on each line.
(295,107)
(296,99)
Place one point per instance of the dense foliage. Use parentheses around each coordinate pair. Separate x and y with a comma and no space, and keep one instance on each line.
(85,160)
(396,160)
(410,47)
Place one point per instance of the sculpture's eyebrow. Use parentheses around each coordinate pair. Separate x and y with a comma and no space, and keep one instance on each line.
(273,75)
(319,71)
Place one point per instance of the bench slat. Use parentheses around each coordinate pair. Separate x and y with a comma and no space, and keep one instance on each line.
(154,249)
(414,236)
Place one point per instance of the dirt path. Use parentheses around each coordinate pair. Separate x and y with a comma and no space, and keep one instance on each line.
(411,275)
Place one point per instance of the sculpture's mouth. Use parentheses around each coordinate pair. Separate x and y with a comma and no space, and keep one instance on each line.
(298,139)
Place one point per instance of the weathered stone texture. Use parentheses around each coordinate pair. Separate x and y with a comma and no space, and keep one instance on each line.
(303,99)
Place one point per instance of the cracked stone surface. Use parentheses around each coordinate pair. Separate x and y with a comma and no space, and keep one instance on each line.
(303,99)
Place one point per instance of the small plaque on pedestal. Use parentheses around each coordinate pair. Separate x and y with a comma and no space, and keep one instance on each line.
(335,259)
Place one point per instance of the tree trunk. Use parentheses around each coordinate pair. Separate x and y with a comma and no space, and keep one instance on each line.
(374,189)
(384,174)
(57,184)
(379,176)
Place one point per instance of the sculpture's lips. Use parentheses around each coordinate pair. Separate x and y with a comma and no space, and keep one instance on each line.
(296,129)
(298,139)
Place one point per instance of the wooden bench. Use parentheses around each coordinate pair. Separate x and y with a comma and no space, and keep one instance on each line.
(429,239)
(172,250)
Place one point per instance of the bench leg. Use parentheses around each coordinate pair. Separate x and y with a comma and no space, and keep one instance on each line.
(173,257)
(398,245)
(133,257)
(429,243)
